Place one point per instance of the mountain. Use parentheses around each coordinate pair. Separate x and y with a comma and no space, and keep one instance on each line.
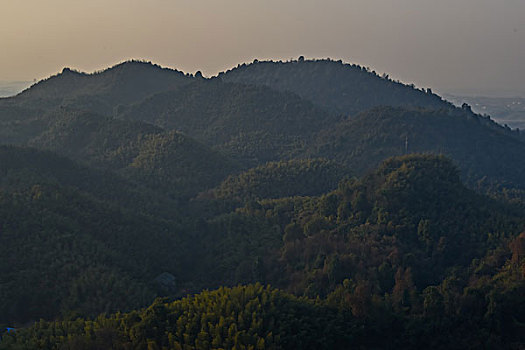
(256,124)
(481,148)
(23,116)
(102,91)
(339,87)
(147,154)
(252,124)
(186,184)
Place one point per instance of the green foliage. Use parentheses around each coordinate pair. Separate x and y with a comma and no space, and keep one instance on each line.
(282,179)
(481,148)
(412,213)
(167,161)
(250,317)
(155,200)
(178,165)
(77,241)
(253,124)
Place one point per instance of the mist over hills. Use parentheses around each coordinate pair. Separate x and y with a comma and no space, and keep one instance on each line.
(374,207)
(506,110)
(11,88)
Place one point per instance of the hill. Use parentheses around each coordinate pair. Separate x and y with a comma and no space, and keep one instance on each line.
(413,210)
(25,115)
(73,239)
(253,124)
(480,147)
(241,317)
(309,177)
(166,161)
(339,87)
(398,257)
(22,168)
(101,91)
(90,137)
(193,183)
(178,165)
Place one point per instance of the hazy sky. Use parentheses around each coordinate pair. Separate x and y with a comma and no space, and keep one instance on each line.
(449,45)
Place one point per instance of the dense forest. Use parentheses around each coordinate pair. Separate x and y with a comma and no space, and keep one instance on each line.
(301,204)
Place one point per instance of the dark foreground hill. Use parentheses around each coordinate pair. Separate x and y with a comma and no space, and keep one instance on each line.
(405,257)
(72,239)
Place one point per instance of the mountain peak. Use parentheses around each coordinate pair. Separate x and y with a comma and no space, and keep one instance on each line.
(341,87)
(68,70)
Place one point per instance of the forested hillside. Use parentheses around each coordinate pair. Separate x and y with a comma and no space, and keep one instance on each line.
(141,152)
(101,91)
(282,179)
(343,88)
(480,147)
(252,124)
(73,240)
(26,115)
(323,206)
(407,245)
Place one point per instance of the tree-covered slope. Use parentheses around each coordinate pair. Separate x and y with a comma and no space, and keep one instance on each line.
(303,177)
(22,168)
(454,315)
(250,317)
(342,88)
(255,124)
(480,147)
(188,183)
(176,164)
(167,161)
(411,213)
(65,253)
(81,241)
(406,244)
(92,138)
(101,91)
(25,116)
